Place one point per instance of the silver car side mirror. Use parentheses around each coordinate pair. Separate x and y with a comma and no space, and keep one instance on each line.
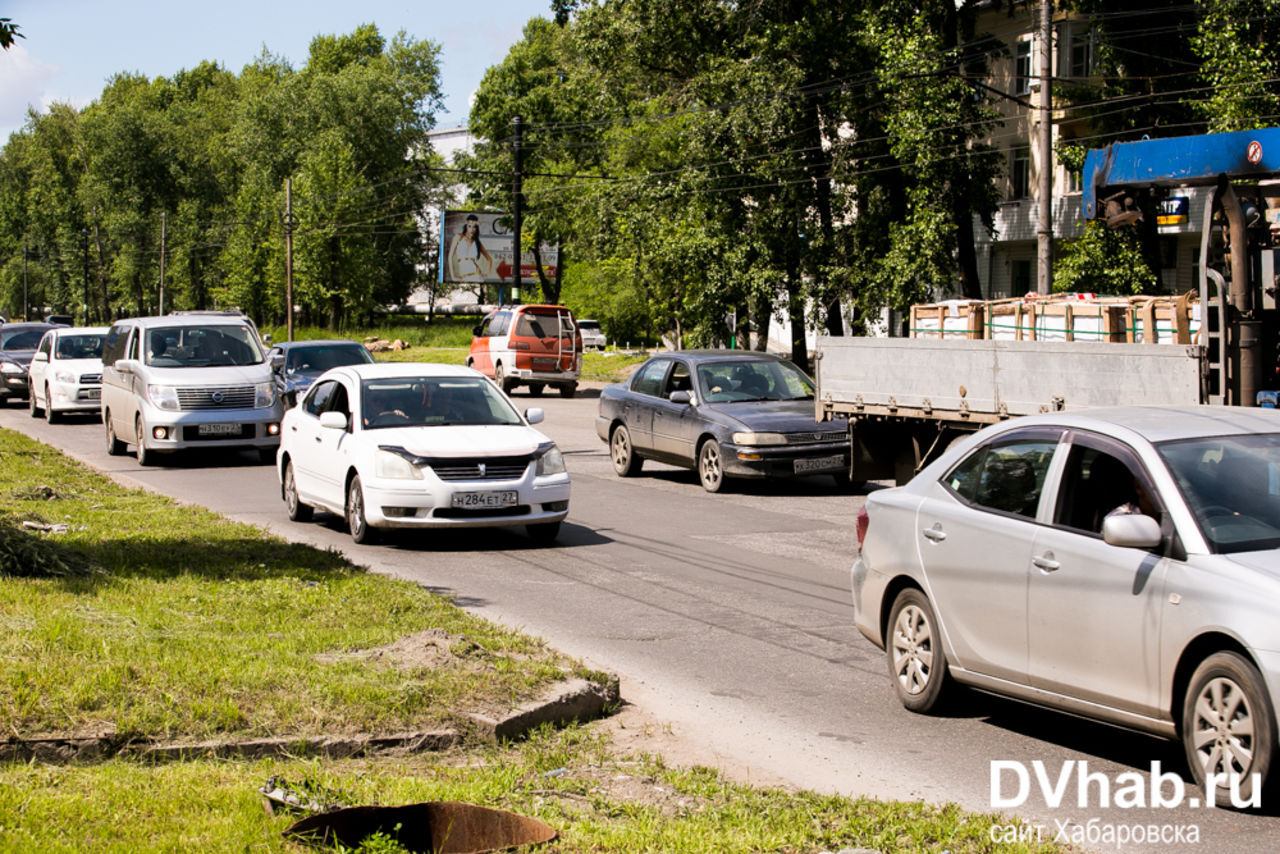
(680,397)
(534,415)
(1132,530)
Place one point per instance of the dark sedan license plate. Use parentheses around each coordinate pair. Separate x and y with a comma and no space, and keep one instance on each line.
(218,430)
(819,464)
(484,500)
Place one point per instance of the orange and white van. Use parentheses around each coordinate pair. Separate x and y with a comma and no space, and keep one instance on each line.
(530,345)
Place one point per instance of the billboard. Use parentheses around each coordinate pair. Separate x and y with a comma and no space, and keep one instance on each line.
(475,247)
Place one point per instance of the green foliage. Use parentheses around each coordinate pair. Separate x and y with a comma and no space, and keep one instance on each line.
(1236,42)
(85,190)
(9,32)
(1103,260)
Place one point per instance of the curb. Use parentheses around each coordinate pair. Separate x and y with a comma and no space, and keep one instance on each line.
(575,700)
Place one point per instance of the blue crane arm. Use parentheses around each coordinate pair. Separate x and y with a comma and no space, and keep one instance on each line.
(1179,161)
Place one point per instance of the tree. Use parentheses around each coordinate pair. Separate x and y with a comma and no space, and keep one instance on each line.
(8,32)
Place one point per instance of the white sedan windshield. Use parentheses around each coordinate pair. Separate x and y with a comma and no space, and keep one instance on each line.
(1232,485)
(433,402)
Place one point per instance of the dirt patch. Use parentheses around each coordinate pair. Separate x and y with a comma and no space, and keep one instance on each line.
(431,649)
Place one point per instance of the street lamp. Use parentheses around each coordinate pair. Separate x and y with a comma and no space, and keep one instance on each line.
(84,247)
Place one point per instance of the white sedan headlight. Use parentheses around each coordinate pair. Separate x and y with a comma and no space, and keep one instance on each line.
(64,376)
(759,439)
(264,394)
(387,464)
(163,397)
(552,462)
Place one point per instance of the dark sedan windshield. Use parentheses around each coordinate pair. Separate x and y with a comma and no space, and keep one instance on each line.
(735,380)
(433,402)
(21,339)
(321,357)
(1232,485)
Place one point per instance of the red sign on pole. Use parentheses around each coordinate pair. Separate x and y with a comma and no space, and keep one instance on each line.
(1255,152)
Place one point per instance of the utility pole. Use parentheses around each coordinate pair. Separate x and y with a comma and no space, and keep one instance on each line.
(1044,230)
(84,247)
(290,222)
(25,310)
(162,230)
(517,203)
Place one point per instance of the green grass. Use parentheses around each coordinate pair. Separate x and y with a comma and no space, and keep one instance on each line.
(195,627)
(596,801)
(151,619)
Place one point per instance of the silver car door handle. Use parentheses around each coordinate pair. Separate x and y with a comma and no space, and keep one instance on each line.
(936,534)
(1046,562)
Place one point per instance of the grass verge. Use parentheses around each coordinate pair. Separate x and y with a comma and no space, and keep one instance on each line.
(164,621)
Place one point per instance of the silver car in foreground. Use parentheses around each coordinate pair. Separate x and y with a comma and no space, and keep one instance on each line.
(1118,564)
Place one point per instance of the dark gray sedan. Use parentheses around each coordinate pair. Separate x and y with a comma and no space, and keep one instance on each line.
(298,363)
(18,342)
(725,413)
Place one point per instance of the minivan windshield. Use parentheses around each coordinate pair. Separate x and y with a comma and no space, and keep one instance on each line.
(201,346)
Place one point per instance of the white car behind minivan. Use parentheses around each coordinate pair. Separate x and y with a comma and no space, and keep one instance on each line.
(198,380)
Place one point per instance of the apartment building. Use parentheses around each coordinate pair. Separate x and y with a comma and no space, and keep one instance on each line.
(1007,257)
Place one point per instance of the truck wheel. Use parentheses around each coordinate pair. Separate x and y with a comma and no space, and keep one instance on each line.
(710,467)
(115,447)
(1228,726)
(626,462)
(568,389)
(535,389)
(914,651)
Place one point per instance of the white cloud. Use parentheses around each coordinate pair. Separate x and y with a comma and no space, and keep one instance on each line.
(24,81)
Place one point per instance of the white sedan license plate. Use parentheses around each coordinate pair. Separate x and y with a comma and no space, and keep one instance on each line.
(218,429)
(484,500)
(819,464)
(93,394)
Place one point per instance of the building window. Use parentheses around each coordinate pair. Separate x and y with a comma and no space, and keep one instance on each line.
(1020,172)
(1022,72)
(1022,283)
(1075,180)
(1079,53)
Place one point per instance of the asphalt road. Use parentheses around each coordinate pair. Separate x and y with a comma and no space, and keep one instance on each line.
(729,617)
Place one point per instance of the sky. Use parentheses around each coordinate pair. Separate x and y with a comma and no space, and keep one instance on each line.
(72,47)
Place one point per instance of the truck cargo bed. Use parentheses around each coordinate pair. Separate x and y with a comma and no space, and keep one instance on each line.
(984,381)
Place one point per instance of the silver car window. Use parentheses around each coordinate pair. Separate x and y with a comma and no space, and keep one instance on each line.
(1007,477)
(1232,486)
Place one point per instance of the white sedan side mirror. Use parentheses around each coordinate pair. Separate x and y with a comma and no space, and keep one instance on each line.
(333,420)
(533,416)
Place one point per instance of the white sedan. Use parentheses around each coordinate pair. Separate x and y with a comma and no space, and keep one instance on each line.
(66,372)
(414,445)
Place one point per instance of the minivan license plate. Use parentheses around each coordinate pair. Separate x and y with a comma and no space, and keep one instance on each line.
(484,500)
(819,464)
(218,430)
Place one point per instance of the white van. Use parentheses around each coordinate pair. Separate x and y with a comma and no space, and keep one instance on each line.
(198,380)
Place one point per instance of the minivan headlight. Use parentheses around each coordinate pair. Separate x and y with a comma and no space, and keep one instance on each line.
(64,376)
(163,397)
(387,464)
(552,462)
(264,395)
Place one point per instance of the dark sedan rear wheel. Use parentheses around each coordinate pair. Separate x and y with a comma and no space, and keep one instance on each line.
(625,460)
(1228,726)
(710,466)
(914,651)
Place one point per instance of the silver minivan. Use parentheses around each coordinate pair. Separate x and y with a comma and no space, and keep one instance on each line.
(198,380)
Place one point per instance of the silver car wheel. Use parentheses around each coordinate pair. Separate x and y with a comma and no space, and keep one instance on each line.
(1227,726)
(914,651)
